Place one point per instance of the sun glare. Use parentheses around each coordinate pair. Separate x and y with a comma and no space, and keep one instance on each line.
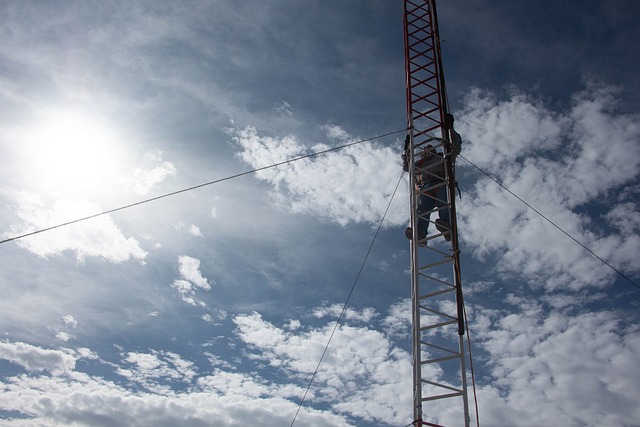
(73,153)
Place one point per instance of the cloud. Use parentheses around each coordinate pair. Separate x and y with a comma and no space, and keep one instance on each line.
(187,292)
(192,229)
(88,400)
(335,132)
(191,279)
(352,185)
(141,181)
(365,315)
(157,371)
(606,143)
(530,375)
(70,321)
(361,374)
(220,398)
(36,359)
(398,322)
(560,163)
(64,336)
(536,377)
(625,217)
(98,237)
(284,108)
(498,132)
(190,270)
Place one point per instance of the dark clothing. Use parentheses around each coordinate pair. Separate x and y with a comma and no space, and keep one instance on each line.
(430,173)
(431,170)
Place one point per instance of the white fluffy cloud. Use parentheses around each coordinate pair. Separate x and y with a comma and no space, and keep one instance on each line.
(334,311)
(98,237)
(536,369)
(190,270)
(352,185)
(362,373)
(190,281)
(497,132)
(155,371)
(81,399)
(543,369)
(151,398)
(36,359)
(558,162)
(70,321)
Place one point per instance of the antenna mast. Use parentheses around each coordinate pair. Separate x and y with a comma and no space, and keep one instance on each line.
(439,372)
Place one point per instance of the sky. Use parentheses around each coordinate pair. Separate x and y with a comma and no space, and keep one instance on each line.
(213,306)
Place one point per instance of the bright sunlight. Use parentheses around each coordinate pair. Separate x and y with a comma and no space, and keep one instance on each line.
(73,153)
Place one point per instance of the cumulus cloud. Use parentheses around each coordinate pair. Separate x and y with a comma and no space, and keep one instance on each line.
(530,375)
(398,321)
(220,398)
(497,132)
(190,270)
(361,375)
(625,217)
(352,185)
(98,237)
(191,280)
(64,336)
(537,378)
(36,359)
(365,315)
(560,163)
(70,321)
(80,398)
(157,371)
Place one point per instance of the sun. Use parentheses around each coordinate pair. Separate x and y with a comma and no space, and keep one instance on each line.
(73,153)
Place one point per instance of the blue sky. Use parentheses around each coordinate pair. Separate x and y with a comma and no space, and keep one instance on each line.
(213,306)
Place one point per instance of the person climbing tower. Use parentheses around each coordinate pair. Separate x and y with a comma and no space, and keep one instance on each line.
(430,174)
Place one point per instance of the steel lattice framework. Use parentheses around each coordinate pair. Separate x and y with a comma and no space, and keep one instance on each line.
(439,372)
